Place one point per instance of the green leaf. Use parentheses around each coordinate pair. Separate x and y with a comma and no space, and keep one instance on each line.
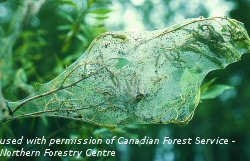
(140,78)
(215,91)
(64,27)
(122,62)
(68,2)
(81,38)
(101,17)
(100,11)
(66,16)
(206,85)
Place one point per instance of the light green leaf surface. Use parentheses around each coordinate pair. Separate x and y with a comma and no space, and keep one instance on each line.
(161,84)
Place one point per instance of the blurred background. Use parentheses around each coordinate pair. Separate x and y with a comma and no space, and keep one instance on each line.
(39,38)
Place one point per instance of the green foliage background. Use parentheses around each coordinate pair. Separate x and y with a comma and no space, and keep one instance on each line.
(38,40)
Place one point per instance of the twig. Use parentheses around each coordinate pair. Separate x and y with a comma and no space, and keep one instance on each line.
(51,92)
